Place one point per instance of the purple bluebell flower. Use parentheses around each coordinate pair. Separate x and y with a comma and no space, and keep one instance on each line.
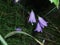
(38,28)
(18,29)
(32,18)
(41,24)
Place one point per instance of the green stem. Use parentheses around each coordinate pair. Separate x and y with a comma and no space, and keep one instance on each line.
(3,41)
(21,32)
(50,11)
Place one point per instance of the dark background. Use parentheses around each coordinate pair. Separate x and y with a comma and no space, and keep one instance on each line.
(14,15)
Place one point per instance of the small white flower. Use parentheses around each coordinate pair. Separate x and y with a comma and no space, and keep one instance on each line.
(16,1)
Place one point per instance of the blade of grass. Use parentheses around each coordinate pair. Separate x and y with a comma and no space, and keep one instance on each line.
(3,41)
(21,32)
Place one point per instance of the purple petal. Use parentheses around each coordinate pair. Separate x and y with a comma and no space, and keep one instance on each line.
(41,25)
(38,28)
(42,21)
(32,18)
(18,29)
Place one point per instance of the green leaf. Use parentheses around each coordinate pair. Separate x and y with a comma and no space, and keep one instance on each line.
(56,2)
(3,41)
(21,32)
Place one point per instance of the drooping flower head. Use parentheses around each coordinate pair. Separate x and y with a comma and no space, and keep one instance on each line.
(41,24)
(32,18)
(18,29)
(38,28)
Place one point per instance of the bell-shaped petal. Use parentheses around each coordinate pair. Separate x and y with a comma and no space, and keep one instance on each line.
(32,18)
(42,22)
(38,28)
(41,25)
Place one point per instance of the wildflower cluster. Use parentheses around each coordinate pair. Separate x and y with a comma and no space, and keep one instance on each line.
(41,22)
(32,19)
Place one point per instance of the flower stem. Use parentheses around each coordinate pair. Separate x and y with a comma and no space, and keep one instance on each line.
(3,41)
(21,32)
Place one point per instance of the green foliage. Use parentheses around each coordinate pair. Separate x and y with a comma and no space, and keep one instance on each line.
(2,40)
(56,2)
(21,32)
(12,16)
